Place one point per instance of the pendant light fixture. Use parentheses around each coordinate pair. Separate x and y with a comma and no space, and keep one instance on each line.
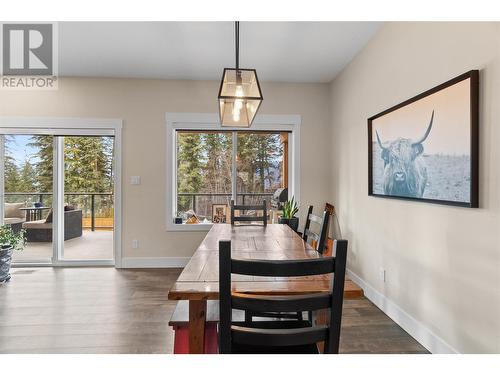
(239,94)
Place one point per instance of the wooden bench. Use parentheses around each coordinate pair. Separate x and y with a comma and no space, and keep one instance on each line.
(179,321)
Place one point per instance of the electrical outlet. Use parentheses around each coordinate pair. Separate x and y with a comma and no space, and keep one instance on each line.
(135,244)
(381,274)
(135,180)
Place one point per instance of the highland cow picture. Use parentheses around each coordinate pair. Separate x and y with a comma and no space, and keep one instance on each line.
(426,148)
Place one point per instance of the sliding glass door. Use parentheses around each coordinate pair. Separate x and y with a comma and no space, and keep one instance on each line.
(88,198)
(59,189)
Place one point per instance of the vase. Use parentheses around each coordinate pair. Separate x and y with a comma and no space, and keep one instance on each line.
(5,261)
(292,223)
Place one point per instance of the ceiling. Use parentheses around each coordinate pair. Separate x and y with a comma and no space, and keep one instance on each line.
(280,51)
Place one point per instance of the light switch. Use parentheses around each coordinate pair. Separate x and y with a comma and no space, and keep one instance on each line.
(135,180)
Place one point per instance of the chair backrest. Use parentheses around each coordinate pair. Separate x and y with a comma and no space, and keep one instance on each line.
(330,334)
(321,236)
(262,207)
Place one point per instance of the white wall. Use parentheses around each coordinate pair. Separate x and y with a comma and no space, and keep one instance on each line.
(142,105)
(442,262)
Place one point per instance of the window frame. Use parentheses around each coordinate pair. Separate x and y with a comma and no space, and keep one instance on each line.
(210,122)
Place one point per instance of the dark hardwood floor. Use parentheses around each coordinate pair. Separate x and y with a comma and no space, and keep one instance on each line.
(103,310)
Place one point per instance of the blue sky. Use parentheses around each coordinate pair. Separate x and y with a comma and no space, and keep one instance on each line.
(19,149)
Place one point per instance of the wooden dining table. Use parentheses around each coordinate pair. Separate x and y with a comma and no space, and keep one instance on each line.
(199,281)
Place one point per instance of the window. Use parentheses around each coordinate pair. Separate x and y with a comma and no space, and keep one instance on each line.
(205,171)
(210,166)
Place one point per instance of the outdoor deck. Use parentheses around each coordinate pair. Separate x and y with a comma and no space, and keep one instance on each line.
(91,245)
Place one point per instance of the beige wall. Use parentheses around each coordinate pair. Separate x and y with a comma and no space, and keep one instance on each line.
(442,262)
(142,105)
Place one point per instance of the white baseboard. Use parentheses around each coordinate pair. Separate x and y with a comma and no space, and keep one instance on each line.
(163,262)
(416,329)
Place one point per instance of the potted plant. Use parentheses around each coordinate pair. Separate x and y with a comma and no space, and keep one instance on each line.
(290,208)
(9,241)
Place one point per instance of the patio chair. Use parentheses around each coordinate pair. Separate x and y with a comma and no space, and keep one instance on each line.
(41,230)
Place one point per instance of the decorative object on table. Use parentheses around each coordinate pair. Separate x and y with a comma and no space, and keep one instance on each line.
(38,204)
(290,208)
(240,95)
(219,213)
(426,148)
(178,220)
(280,196)
(9,241)
(333,231)
(192,218)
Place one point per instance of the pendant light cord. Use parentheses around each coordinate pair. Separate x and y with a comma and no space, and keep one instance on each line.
(237,42)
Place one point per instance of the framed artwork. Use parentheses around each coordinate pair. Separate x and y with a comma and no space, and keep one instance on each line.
(219,213)
(427,148)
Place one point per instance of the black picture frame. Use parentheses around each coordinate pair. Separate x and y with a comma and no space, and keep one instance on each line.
(473,75)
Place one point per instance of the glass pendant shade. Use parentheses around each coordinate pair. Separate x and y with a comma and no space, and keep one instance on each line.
(239,97)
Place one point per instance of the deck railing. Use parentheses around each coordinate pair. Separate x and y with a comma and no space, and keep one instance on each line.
(44,196)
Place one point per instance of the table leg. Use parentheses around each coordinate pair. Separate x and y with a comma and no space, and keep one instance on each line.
(197,314)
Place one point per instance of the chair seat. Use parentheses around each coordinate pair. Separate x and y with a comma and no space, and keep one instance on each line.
(275,324)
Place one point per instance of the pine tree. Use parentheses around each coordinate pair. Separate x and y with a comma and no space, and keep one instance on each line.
(28,181)
(86,165)
(258,159)
(88,169)
(11,172)
(43,167)
(245,162)
(108,150)
(11,176)
(268,148)
(217,169)
(189,166)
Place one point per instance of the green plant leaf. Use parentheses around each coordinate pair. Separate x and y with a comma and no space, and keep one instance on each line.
(8,237)
(290,208)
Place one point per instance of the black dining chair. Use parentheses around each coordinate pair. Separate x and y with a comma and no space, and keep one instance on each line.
(319,237)
(280,336)
(262,207)
(309,236)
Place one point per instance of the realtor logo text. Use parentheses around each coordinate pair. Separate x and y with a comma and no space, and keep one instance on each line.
(29,61)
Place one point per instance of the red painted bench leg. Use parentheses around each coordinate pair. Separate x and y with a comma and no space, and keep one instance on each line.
(181,339)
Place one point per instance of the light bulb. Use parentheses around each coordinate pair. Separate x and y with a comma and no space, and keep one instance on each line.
(238,104)
(237,107)
(239,91)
